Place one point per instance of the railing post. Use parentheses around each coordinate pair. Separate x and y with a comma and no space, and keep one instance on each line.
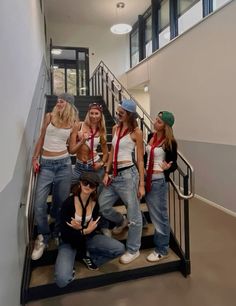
(120,95)
(92,84)
(141,124)
(95,85)
(112,99)
(102,83)
(107,93)
(186,228)
(99,81)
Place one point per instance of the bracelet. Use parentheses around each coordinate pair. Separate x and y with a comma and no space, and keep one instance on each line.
(34,158)
(106,172)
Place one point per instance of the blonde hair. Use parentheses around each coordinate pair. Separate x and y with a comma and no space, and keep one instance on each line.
(101,126)
(169,137)
(66,117)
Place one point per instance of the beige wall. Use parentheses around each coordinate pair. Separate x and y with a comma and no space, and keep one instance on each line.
(194,77)
(102,44)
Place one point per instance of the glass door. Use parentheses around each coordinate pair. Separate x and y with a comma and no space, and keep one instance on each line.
(69,70)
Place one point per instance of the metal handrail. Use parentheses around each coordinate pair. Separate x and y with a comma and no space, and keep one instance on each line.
(145,120)
(124,90)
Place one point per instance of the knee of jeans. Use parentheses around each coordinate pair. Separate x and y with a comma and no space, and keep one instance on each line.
(62,280)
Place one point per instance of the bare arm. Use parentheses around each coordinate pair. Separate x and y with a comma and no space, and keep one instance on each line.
(74,146)
(40,142)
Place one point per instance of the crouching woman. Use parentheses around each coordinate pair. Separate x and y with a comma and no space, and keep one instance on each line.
(79,221)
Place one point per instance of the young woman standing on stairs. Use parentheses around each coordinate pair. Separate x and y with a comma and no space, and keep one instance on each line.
(52,162)
(162,156)
(79,222)
(127,181)
(85,140)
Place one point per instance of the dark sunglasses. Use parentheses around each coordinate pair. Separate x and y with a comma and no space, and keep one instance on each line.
(96,105)
(87,183)
(120,114)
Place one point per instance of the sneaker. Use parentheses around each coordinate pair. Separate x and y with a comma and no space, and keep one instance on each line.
(154,256)
(39,247)
(89,263)
(118,229)
(106,232)
(128,257)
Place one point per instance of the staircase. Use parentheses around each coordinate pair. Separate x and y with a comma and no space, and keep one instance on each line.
(38,279)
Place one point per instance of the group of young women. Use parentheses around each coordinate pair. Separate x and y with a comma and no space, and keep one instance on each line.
(98,181)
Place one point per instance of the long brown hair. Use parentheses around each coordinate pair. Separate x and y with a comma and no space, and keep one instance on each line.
(76,190)
(131,121)
(169,137)
(101,125)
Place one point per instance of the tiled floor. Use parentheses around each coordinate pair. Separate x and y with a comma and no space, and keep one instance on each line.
(212,282)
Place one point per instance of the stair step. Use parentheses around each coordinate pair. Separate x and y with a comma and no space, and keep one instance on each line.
(45,274)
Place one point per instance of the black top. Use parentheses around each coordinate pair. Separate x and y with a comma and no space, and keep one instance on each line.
(68,234)
(171,155)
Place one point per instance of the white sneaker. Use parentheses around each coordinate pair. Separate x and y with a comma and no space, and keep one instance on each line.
(128,257)
(154,256)
(118,229)
(39,247)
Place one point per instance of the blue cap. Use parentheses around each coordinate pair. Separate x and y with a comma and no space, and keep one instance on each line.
(128,105)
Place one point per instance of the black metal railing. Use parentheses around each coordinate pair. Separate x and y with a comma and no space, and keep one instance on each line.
(181,186)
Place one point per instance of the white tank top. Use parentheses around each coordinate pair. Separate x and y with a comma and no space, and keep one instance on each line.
(159,157)
(56,138)
(126,147)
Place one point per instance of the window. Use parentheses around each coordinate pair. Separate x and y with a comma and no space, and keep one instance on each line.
(148,36)
(164,23)
(218,3)
(189,13)
(134,48)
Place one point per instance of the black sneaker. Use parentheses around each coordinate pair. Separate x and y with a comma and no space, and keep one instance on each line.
(89,263)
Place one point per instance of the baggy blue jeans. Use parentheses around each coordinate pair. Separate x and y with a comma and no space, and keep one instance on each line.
(80,168)
(124,186)
(101,249)
(54,174)
(156,201)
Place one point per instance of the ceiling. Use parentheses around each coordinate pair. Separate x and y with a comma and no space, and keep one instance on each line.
(94,12)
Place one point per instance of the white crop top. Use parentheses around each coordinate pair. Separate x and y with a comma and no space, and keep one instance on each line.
(126,147)
(159,157)
(56,138)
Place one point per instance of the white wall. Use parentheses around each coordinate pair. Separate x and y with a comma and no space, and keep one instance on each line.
(194,77)
(21,58)
(112,49)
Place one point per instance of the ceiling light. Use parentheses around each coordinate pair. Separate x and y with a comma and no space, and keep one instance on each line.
(145,88)
(120,27)
(56,51)
(55,67)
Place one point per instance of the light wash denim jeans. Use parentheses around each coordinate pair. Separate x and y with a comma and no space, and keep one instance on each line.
(54,174)
(124,186)
(101,249)
(156,201)
(80,168)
